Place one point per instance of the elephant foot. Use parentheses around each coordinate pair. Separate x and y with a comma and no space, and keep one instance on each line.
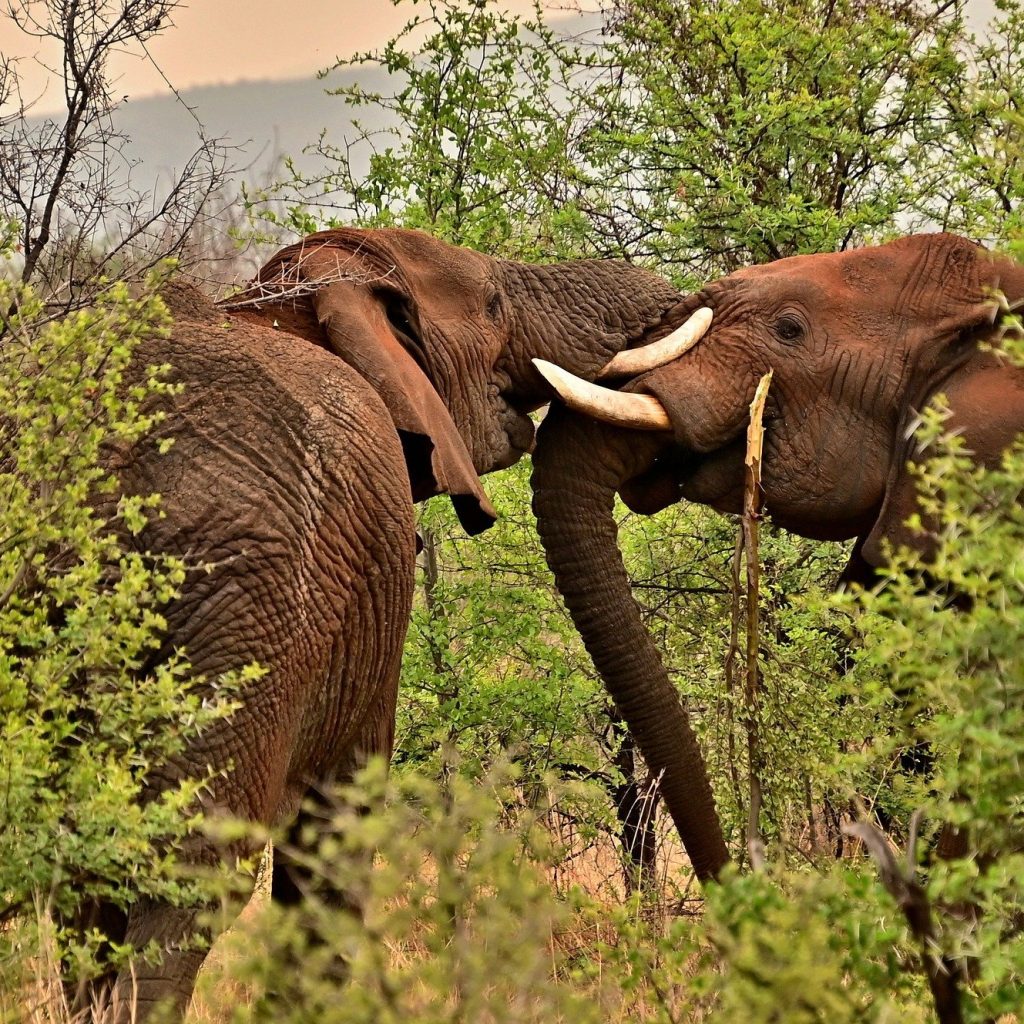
(158,988)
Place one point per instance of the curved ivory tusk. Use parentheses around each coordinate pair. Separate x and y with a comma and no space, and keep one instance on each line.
(672,346)
(639,412)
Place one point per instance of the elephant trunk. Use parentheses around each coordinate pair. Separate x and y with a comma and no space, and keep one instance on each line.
(578,466)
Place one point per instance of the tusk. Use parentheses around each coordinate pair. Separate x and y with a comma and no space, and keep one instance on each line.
(639,360)
(639,412)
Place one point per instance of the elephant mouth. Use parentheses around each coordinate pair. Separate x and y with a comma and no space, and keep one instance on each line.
(715,478)
(712,478)
(519,436)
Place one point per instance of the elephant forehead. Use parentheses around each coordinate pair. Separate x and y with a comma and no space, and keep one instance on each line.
(917,274)
(876,273)
(817,266)
(429,257)
(765,290)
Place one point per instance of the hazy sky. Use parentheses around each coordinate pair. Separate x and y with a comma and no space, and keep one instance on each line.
(218,41)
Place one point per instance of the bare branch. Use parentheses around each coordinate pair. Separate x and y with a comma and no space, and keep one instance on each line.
(752,500)
(898,879)
(66,181)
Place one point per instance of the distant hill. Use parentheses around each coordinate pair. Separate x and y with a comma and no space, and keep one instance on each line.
(264,119)
(261,120)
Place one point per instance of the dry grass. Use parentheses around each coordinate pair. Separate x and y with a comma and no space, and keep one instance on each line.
(589,865)
(216,990)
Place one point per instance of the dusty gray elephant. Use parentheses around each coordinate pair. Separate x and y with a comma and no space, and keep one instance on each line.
(362,371)
(858,341)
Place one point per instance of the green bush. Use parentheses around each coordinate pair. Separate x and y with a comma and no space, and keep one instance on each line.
(457,923)
(951,651)
(82,721)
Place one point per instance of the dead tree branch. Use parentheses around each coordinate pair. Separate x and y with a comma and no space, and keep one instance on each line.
(942,971)
(66,180)
(752,501)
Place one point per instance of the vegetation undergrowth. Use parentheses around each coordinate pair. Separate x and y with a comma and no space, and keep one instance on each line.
(84,716)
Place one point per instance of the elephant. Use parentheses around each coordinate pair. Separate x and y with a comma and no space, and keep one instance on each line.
(858,342)
(361,371)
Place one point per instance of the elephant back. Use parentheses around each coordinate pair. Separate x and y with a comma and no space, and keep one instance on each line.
(260,420)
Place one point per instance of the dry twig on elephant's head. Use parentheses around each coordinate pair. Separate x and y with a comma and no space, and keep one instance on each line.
(305,268)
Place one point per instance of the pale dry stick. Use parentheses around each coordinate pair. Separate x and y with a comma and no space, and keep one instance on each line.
(731,683)
(48,1000)
(259,293)
(752,501)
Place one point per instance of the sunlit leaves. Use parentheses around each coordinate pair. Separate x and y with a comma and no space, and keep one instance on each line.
(86,713)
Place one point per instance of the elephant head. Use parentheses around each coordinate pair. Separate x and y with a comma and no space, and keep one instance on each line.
(858,342)
(446,335)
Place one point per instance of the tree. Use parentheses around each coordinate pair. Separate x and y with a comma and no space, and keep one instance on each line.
(473,122)
(737,131)
(65,187)
(979,175)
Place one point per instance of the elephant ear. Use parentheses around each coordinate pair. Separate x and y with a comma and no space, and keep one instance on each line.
(1003,275)
(358,331)
(985,395)
(986,400)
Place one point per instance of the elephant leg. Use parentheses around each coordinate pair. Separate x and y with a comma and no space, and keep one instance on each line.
(292,881)
(83,993)
(167,981)
(635,807)
(164,983)
(858,569)
(375,738)
(172,943)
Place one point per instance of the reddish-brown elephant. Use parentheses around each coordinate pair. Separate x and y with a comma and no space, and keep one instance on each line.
(858,343)
(362,371)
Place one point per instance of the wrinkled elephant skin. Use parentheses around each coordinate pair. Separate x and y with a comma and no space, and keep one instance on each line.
(286,478)
(858,342)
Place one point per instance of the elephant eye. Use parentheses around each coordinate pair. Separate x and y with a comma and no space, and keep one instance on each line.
(788,328)
(494,306)
(397,313)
